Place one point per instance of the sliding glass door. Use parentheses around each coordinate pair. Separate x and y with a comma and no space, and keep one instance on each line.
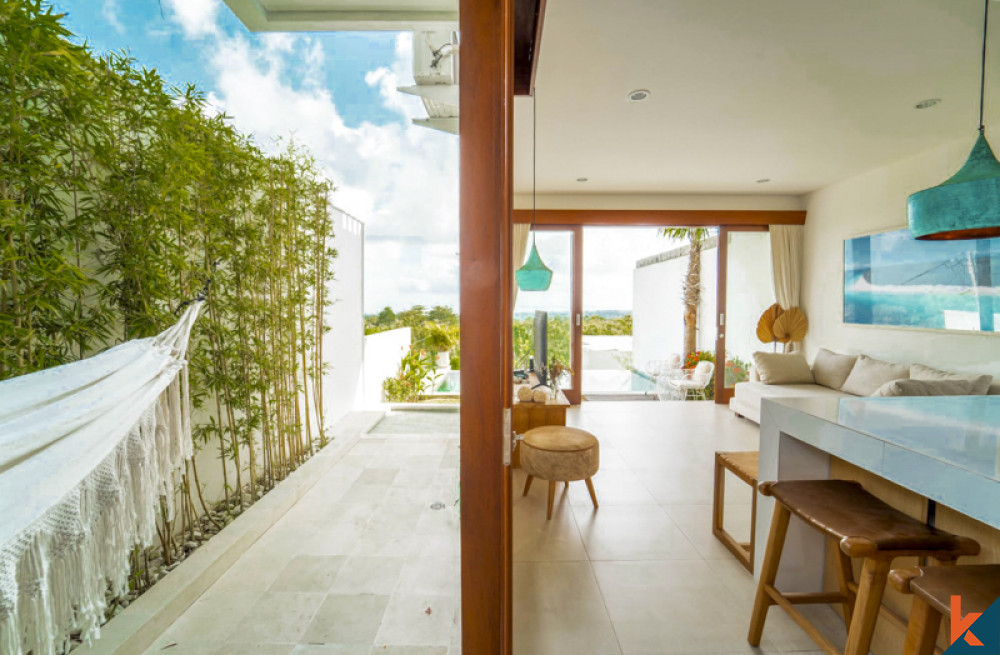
(559,249)
(745,290)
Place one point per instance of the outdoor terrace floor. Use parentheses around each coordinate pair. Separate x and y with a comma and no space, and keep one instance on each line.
(363,565)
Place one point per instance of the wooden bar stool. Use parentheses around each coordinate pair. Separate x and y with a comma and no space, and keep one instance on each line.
(744,466)
(978,586)
(866,528)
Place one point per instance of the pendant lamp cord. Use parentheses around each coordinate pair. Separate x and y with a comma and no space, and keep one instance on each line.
(982,73)
(534,161)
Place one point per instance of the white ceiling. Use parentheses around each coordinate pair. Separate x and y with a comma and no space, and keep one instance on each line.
(803,92)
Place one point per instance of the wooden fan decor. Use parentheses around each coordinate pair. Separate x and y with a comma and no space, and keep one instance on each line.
(779,326)
(765,326)
(791,326)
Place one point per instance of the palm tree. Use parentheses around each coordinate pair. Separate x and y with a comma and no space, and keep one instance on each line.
(695,237)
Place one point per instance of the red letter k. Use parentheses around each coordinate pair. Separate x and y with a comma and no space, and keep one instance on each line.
(960,624)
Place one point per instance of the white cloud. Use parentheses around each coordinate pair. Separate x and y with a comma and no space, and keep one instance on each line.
(400,179)
(110,12)
(196,17)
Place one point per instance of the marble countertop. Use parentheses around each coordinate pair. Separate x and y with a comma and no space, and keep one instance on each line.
(945,448)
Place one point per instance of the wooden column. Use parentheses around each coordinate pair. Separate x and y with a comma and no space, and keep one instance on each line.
(485,127)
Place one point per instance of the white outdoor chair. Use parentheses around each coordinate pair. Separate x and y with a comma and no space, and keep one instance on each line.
(695,383)
(660,371)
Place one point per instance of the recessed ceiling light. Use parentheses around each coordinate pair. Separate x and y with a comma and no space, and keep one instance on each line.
(638,95)
(925,104)
(763,180)
(582,179)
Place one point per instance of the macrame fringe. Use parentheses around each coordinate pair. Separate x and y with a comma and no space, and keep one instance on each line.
(54,575)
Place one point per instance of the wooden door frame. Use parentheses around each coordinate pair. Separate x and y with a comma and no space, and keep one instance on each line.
(722,394)
(485,210)
(733,218)
(574,395)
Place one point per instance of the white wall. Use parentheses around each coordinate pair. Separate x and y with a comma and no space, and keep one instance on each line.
(875,202)
(343,345)
(658,308)
(383,352)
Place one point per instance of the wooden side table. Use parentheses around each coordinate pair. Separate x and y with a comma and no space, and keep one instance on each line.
(526,416)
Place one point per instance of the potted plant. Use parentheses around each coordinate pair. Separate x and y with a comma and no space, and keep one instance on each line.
(440,340)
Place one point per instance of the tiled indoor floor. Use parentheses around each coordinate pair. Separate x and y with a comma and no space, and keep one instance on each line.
(643,574)
(360,565)
(363,565)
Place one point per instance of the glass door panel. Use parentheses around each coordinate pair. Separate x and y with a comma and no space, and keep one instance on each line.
(556,248)
(746,291)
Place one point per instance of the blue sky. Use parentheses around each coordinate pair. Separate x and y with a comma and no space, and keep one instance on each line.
(157,41)
(336,93)
(333,92)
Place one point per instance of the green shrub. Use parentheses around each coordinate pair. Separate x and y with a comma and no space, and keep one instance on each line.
(415,370)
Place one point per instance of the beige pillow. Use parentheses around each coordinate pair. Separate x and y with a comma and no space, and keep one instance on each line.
(980,383)
(925,388)
(831,369)
(782,368)
(869,374)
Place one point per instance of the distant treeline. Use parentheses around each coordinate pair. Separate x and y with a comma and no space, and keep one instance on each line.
(436,329)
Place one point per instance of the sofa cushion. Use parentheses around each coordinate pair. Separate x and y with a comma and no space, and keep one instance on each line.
(980,383)
(925,388)
(831,369)
(869,374)
(782,368)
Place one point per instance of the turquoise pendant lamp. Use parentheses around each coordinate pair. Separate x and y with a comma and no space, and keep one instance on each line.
(966,205)
(534,275)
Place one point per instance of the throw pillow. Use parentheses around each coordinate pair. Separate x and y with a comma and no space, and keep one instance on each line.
(782,368)
(925,388)
(831,369)
(869,374)
(980,383)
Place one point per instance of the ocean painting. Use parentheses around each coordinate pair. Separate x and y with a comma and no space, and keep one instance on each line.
(893,279)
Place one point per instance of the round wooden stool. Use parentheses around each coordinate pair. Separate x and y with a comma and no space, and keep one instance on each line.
(863,527)
(560,454)
(935,590)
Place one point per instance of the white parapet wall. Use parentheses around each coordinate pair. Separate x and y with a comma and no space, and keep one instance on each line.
(383,352)
(343,345)
(658,314)
(658,305)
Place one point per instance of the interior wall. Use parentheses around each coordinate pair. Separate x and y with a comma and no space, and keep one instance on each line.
(876,202)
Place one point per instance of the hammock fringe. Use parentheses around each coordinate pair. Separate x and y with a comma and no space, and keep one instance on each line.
(55,572)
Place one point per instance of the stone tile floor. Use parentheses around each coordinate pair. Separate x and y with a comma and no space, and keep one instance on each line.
(643,574)
(363,565)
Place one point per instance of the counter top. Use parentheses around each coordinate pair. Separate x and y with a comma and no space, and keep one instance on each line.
(946,448)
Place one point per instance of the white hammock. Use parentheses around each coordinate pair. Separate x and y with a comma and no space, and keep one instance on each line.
(86,451)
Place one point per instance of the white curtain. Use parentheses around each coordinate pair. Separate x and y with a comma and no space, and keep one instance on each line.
(86,451)
(786,263)
(519,248)
(786,267)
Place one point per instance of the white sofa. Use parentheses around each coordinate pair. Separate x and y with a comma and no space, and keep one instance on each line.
(746,401)
(748,395)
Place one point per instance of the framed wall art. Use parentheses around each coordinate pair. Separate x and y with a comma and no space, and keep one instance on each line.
(891,279)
